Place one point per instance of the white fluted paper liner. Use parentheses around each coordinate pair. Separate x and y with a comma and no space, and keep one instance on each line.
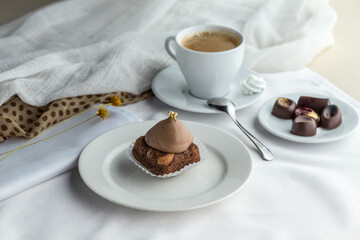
(203,156)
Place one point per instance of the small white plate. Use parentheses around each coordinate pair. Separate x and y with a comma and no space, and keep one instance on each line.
(282,127)
(106,169)
(169,85)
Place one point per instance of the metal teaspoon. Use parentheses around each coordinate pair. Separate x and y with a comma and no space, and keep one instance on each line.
(225,105)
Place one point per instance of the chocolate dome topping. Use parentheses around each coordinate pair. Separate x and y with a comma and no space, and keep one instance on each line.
(169,135)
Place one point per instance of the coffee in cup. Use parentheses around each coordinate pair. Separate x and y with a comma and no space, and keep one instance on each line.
(209,57)
(211,41)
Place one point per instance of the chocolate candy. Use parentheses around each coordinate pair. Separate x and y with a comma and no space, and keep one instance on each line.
(317,104)
(330,117)
(308,112)
(283,108)
(303,126)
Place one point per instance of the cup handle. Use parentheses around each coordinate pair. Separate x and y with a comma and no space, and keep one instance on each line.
(169,49)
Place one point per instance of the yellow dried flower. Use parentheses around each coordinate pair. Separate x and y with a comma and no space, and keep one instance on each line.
(115,101)
(102,112)
(173,115)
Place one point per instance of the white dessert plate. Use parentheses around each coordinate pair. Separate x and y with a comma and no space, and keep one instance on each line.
(106,169)
(282,127)
(169,85)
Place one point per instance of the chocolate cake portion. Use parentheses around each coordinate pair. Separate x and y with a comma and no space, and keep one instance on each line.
(161,163)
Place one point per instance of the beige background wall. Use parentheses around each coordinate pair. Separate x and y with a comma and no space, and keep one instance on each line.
(340,64)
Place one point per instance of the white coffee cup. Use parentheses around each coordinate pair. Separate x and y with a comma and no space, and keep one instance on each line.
(208,74)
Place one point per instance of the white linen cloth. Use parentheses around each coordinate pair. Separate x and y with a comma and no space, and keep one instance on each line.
(89,46)
(310,191)
(39,162)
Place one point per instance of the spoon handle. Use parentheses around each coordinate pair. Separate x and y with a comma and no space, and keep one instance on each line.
(264,151)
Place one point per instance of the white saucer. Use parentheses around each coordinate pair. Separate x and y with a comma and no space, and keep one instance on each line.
(282,127)
(170,87)
(106,169)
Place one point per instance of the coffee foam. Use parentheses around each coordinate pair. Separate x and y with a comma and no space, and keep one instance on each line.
(211,41)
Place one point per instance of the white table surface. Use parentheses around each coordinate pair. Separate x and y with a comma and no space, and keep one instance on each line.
(308,192)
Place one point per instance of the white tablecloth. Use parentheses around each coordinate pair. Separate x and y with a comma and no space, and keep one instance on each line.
(308,192)
(32,165)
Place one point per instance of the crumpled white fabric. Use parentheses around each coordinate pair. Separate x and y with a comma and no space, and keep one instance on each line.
(89,46)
